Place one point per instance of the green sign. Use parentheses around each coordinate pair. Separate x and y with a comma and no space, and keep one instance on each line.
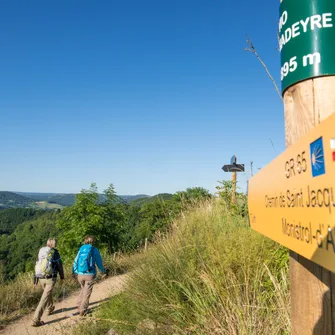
(306,40)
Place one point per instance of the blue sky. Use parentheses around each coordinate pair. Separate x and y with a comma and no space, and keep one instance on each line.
(152,96)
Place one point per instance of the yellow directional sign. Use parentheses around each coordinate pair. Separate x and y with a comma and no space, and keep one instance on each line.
(292,200)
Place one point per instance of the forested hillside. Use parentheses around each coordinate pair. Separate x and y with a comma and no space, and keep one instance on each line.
(18,251)
(11,218)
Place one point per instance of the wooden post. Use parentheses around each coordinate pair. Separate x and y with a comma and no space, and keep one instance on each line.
(233,196)
(145,244)
(312,287)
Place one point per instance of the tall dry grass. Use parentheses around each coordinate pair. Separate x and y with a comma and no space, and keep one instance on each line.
(211,275)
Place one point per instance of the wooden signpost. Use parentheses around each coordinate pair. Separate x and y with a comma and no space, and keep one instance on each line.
(306,36)
(233,167)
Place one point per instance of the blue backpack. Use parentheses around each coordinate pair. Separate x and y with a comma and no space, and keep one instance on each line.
(85,262)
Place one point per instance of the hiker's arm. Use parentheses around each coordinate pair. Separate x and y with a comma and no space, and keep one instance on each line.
(59,265)
(98,260)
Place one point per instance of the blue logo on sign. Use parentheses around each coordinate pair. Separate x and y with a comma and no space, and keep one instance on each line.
(317,158)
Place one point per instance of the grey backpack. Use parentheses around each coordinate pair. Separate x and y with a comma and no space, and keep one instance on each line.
(43,266)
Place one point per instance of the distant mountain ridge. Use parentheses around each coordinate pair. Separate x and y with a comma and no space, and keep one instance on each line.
(29,199)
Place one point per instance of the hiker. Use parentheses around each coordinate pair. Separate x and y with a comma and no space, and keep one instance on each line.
(85,267)
(47,266)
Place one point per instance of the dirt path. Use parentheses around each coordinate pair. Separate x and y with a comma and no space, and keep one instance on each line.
(62,320)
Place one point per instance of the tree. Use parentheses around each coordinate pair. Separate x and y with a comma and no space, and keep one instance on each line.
(89,216)
(155,216)
(225,191)
(114,219)
(191,196)
(129,238)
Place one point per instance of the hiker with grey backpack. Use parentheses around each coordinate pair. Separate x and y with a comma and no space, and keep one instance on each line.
(48,265)
(84,266)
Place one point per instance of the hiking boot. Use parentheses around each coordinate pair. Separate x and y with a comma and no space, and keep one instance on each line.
(50,311)
(37,323)
(84,313)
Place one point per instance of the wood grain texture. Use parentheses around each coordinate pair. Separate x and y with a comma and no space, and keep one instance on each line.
(312,287)
(324,95)
(233,196)
(299,111)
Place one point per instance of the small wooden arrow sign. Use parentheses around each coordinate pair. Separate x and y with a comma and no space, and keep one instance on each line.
(233,168)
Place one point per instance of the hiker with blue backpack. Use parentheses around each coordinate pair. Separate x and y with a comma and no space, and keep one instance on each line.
(47,266)
(84,266)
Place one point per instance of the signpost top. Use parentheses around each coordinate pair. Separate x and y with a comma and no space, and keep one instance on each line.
(292,200)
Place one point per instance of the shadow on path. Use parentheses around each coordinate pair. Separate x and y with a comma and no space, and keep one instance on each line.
(62,310)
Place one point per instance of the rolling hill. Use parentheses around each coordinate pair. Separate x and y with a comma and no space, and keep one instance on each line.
(62,199)
(145,200)
(37,196)
(13,200)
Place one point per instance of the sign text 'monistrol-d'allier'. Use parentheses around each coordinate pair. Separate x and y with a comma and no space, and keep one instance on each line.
(321,235)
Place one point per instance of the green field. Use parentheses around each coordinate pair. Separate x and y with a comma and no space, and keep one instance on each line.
(47,205)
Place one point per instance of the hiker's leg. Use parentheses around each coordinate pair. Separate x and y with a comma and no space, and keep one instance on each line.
(49,306)
(48,285)
(86,293)
(38,312)
(81,280)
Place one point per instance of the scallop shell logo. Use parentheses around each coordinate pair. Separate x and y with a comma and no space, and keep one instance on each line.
(317,158)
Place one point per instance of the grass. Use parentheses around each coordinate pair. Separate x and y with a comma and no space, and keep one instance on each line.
(20,296)
(211,275)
